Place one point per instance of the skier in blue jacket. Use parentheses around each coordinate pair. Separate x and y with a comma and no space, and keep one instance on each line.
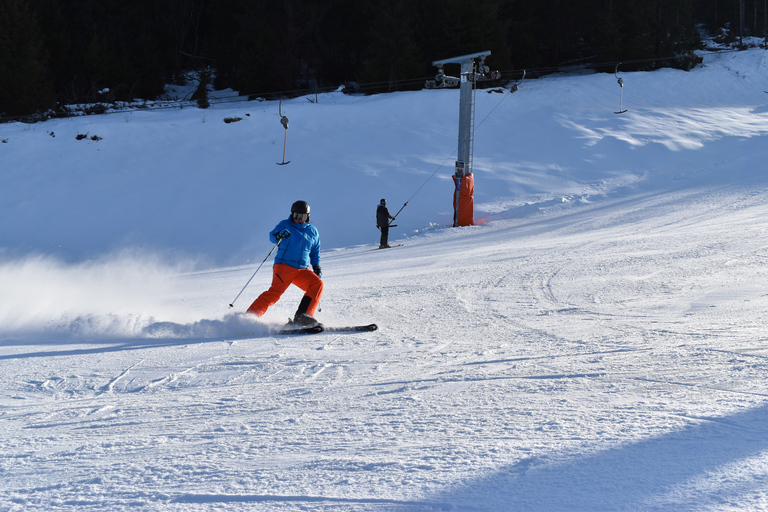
(298,248)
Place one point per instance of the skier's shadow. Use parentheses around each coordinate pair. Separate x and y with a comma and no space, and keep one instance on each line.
(101,346)
(698,467)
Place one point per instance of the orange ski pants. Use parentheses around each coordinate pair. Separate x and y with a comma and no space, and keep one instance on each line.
(282,277)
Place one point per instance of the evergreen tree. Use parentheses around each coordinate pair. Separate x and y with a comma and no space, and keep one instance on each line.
(393,53)
(77,48)
(344,28)
(240,42)
(25,86)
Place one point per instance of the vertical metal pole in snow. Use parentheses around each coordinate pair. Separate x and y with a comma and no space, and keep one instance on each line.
(465,118)
(468,77)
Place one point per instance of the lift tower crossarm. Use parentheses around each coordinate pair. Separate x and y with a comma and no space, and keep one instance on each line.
(460,60)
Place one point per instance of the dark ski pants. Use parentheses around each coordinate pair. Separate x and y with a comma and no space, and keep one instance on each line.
(384,236)
(284,276)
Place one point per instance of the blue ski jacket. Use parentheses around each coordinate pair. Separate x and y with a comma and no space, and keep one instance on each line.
(302,248)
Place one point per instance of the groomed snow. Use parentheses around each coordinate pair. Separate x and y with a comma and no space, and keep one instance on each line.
(596,342)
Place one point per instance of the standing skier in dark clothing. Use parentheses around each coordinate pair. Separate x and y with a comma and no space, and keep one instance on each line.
(382,222)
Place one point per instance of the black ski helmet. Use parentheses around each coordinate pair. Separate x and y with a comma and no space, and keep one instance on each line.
(300,207)
(383,202)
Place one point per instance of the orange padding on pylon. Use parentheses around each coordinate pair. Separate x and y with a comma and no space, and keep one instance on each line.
(466,216)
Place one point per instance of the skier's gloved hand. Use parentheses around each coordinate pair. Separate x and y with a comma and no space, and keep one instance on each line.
(317,270)
(282,235)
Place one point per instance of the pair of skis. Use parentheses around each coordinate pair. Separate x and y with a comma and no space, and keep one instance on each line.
(318,328)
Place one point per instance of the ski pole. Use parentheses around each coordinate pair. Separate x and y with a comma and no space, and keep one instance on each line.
(232,304)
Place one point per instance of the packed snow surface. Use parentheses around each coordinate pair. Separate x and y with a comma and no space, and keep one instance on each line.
(596,341)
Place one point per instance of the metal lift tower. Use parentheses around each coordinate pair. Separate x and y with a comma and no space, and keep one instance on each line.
(463,197)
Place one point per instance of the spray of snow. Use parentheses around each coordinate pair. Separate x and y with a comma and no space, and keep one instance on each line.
(120,295)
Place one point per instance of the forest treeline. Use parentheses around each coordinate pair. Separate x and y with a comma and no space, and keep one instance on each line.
(56,52)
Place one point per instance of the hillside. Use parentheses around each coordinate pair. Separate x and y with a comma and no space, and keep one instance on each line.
(597,342)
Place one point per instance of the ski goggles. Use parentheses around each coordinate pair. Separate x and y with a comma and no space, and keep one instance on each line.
(300,217)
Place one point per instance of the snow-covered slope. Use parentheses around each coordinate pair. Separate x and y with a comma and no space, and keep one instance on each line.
(597,343)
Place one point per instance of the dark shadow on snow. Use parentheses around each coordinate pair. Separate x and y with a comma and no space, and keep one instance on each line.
(687,469)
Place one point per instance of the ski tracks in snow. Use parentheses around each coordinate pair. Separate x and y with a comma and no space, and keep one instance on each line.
(550,360)
(109,387)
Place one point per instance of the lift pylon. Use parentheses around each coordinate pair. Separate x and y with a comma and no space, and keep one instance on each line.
(471,73)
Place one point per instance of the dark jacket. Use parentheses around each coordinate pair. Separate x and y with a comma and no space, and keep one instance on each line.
(382,216)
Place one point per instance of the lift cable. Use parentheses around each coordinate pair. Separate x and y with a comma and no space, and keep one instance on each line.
(512,89)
